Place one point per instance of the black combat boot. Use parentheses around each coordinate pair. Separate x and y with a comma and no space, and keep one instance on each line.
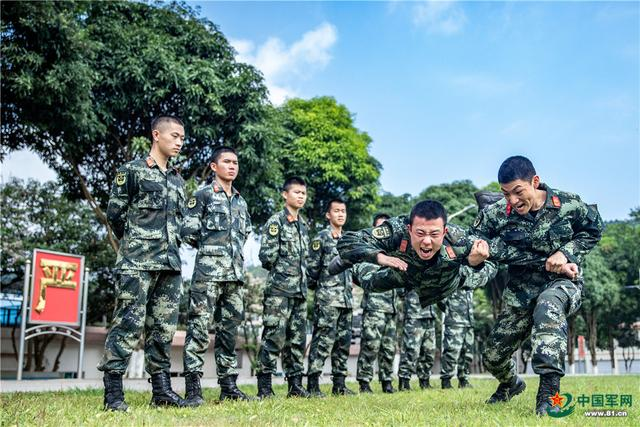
(387,387)
(295,387)
(365,387)
(506,391)
(424,383)
(113,393)
(163,395)
(464,383)
(549,386)
(313,385)
(193,395)
(264,386)
(339,387)
(404,384)
(446,383)
(338,265)
(229,390)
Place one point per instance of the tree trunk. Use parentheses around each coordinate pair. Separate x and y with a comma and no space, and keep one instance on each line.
(612,350)
(56,364)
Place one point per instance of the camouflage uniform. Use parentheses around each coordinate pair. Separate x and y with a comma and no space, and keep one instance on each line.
(378,339)
(459,340)
(218,226)
(433,279)
(536,301)
(283,251)
(145,213)
(333,309)
(418,339)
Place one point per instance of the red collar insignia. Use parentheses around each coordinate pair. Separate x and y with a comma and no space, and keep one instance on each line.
(150,161)
(508,209)
(555,200)
(403,245)
(450,252)
(290,218)
(216,187)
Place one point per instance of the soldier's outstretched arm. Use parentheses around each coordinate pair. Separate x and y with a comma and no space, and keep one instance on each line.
(478,278)
(373,278)
(587,228)
(365,245)
(119,200)
(195,212)
(269,244)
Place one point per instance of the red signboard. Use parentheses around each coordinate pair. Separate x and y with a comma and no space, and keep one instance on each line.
(56,289)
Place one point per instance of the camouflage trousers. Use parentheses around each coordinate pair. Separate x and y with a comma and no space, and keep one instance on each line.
(284,331)
(457,351)
(545,320)
(418,348)
(378,341)
(145,301)
(331,335)
(225,301)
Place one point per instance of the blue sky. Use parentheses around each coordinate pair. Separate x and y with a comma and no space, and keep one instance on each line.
(447,90)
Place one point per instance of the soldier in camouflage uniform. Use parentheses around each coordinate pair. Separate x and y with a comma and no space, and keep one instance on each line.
(333,306)
(459,340)
(378,338)
(145,213)
(418,346)
(217,223)
(283,251)
(536,220)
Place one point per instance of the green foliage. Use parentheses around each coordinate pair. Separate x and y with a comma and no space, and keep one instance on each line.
(38,215)
(82,81)
(324,147)
(455,197)
(394,205)
(431,407)
(601,289)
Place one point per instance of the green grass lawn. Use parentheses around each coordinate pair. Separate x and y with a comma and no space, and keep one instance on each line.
(416,408)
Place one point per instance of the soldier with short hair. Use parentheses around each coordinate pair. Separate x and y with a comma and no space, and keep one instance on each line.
(458,337)
(558,226)
(217,223)
(418,345)
(333,306)
(283,252)
(378,336)
(145,213)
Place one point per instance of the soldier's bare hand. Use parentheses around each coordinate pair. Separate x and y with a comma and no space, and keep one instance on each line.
(479,253)
(570,270)
(556,262)
(393,262)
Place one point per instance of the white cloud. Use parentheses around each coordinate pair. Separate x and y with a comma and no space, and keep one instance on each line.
(440,17)
(283,66)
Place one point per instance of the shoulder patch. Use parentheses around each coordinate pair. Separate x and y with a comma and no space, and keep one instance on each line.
(121,178)
(274,229)
(316,245)
(192,203)
(381,232)
(450,252)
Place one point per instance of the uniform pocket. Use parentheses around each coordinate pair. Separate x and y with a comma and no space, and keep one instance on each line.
(151,195)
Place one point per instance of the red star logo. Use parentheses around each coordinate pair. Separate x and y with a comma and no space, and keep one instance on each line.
(556,400)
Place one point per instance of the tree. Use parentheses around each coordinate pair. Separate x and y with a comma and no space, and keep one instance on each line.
(395,205)
(37,215)
(601,291)
(455,197)
(82,81)
(324,147)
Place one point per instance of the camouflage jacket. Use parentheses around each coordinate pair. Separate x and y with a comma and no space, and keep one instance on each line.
(218,226)
(283,251)
(564,223)
(413,309)
(459,308)
(433,279)
(384,302)
(331,291)
(145,212)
